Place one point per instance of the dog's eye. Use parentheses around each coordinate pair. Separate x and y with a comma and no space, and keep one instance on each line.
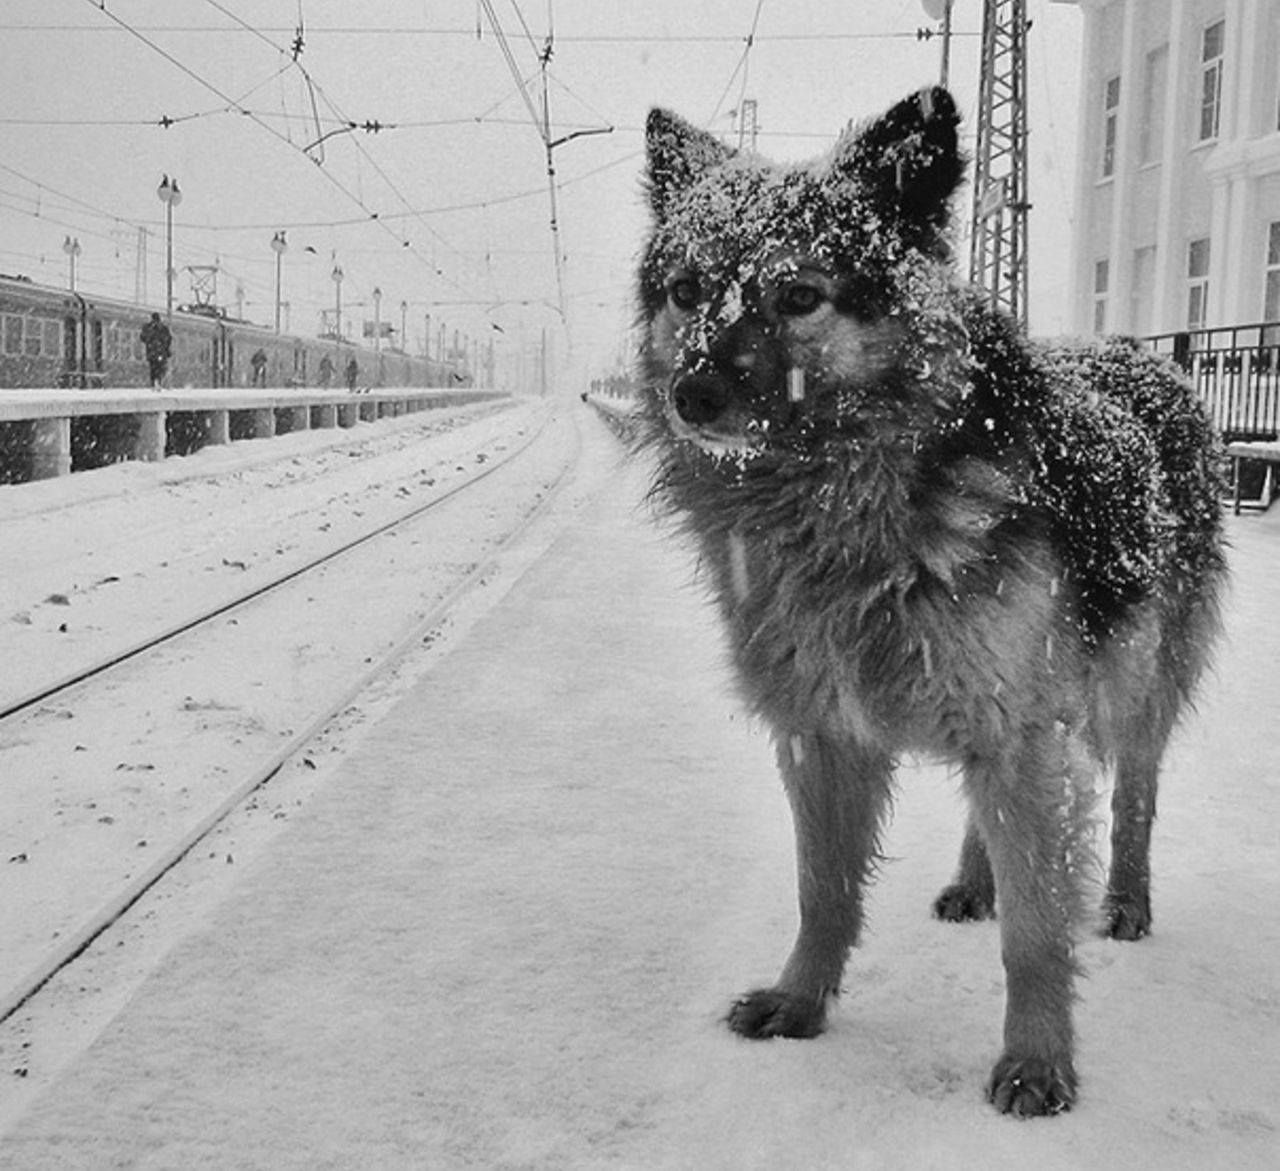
(684,293)
(799,299)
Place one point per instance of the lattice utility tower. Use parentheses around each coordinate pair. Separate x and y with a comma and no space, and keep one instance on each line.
(748,126)
(998,256)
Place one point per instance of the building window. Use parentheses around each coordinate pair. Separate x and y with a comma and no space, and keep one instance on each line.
(1211,80)
(1197,283)
(1271,305)
(1101,279)
(1271,298)
(1151,128)
(1110,120)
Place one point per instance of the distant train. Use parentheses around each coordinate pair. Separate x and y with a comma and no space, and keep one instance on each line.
(55,338)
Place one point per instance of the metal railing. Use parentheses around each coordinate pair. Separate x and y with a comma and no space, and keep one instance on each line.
(1236,372)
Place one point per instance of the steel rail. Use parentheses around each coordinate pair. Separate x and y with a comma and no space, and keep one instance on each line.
(68,949)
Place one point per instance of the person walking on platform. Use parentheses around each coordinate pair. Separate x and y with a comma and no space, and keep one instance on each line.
(158,342)
(353,372)
(326,371)
(259,364)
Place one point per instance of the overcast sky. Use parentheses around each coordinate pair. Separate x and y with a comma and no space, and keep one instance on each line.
(456,177)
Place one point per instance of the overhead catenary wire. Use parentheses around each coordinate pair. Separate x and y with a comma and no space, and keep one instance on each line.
(373,216)
(743,65)
(569,38)
(542,124)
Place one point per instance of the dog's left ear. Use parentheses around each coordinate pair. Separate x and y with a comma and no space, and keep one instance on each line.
(909,158)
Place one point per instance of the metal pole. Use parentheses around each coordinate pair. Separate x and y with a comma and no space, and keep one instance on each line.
(337,303)
(71,246)
(946,44)
(168,260)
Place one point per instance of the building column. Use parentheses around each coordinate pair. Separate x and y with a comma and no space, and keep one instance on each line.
(1119,238)
(1081,284)
(1242,293)
(1171,248)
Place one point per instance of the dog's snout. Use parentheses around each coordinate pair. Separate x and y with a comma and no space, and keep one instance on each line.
(700,400)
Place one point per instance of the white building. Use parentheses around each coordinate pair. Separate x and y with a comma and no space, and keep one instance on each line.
(1178,179)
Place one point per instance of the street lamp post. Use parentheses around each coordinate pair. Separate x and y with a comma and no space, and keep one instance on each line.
(279,245)
(170,196)
(404,313)
(941,10)
(71,246)
(337,302)
(377,334)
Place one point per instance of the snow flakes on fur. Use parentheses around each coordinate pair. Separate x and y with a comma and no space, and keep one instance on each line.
(954,424)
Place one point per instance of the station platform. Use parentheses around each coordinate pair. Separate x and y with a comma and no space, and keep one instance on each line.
(47,432)
(506,933)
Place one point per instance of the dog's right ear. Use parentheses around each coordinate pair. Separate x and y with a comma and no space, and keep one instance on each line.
(678,154)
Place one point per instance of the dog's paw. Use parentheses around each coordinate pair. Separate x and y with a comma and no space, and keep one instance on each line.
(1125,918)
(1029,1087)
(769,1012)
(962,904)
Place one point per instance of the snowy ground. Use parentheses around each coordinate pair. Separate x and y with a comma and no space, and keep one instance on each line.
(99,786)
(503,929)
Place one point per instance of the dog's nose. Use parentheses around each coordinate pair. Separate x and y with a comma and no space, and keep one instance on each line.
(699,399)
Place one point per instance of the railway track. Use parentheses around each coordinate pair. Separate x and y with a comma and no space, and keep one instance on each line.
(193,718)
(101,665)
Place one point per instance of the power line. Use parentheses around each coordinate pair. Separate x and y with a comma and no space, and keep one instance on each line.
(419,30)
(742,65)
(231,102)
(542,124)
(348,124)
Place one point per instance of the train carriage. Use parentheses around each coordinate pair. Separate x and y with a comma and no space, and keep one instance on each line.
(55,338)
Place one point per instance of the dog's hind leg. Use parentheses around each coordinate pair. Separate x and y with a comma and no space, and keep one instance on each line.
(838,793)
(972,895)
(1127,907)
(1028,806)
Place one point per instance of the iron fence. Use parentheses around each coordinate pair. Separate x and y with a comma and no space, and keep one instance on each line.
(1236,372)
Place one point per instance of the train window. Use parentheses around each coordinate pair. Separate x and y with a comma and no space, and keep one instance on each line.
(12,333)
(31,337)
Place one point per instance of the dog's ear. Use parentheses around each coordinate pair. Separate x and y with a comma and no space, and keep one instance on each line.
(678,154)
(908,159)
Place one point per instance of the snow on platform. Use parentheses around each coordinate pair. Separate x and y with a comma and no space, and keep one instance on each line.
(505,934)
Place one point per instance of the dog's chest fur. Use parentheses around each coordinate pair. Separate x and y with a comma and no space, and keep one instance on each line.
(908,619)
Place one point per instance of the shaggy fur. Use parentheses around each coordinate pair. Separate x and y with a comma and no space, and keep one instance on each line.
(924,535)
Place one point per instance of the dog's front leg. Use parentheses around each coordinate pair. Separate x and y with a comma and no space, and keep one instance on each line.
(1026,806)
(838,792)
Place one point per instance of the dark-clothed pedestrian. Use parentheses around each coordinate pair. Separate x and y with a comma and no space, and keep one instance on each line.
(259,364)
(326,370)
(353,372)
(158,343)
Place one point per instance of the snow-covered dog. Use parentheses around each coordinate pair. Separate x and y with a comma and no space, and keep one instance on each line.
(925,535)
